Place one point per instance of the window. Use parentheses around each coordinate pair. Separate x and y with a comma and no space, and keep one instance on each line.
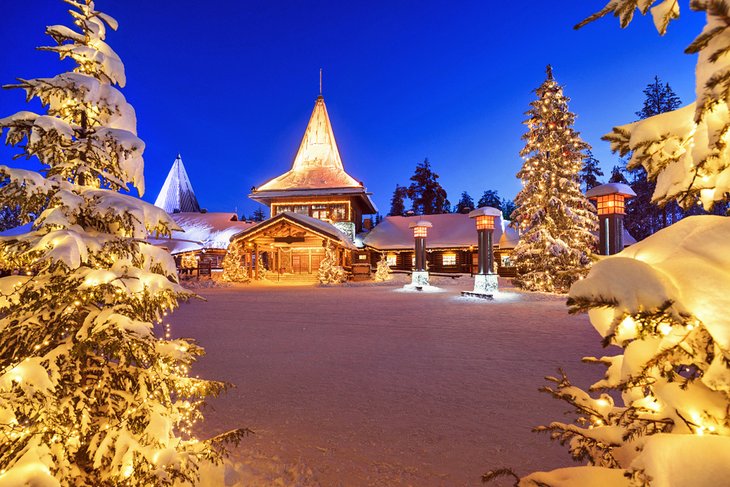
(391,259)
(449,259)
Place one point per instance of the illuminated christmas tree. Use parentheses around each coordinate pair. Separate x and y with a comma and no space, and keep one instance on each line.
(382,271)
(554,218)
(89,395)
(189,261)
(661,413)
(261,270)
(329,271)
(234,266)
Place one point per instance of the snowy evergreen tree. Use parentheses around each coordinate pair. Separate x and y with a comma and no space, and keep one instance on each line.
(643,217)
(659,99)
(664,300)
(554,218)
(490,198)
(617,176)
(382,271)
(508,207)
(90,396)
(261,269)
(329,271)
(397,203)
(258,215)
(426,193)
(590,172)
(234,268)
(465,204)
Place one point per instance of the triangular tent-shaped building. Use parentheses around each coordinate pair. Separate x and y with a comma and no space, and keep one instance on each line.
(176,195)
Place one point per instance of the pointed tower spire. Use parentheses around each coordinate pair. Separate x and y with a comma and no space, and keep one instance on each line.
(177,193)
(317,163)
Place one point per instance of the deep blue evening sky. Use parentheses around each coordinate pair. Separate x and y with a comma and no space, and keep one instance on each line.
(230,84)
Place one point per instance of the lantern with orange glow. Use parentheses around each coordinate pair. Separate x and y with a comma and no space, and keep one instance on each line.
(485,280)
(610,203)
(420,232)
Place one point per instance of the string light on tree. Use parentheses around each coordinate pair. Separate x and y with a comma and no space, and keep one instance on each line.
(90,395)
(554,218)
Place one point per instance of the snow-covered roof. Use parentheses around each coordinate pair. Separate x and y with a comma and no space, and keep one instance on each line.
(610,188)
(317,163)
(449,230)
(177,193)
(202,231)
(306,221)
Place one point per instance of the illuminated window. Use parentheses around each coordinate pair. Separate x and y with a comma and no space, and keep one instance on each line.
(391,259)
(449,259)
(413,260)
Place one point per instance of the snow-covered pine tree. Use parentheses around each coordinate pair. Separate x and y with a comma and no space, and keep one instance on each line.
(465,204)
(382,271)
(89,396)
(260,268)
(590,172)
(426,193)
(397,203)
(490,198)
(234,268)
(508,207)
(329,271)
(189,261)
(554,218)
(258,215)
(664,300)
(643,217)
(617,176)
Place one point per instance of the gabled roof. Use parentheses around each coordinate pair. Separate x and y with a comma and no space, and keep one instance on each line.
(177,193)
(317,164)
(202,231)
(449,230)
(320,227)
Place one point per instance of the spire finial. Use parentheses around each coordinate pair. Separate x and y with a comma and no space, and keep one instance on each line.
(549,71)
(320,81)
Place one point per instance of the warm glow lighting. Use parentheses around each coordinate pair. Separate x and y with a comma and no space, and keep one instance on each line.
(420,232)
(485,222)
(610,204)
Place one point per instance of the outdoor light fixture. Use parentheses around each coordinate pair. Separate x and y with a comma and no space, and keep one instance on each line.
(610,202)
(485,280)
(419,278)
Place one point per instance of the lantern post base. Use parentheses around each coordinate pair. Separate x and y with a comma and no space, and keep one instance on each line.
(419,279)
(485,286)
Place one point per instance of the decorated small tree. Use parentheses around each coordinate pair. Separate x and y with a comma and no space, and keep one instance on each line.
(329,271)
(234,267)
(663,413)
(89,395)
(554,218)
(189,261)
(382,271)
(260,268)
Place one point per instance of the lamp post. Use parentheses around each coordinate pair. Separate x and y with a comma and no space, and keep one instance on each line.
(485,280)
(609,200)
(419,278)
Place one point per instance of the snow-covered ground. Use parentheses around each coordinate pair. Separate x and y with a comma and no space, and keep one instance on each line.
(361,385)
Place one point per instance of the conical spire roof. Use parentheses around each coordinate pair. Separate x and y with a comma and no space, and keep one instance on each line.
(317,163)
(177,193)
